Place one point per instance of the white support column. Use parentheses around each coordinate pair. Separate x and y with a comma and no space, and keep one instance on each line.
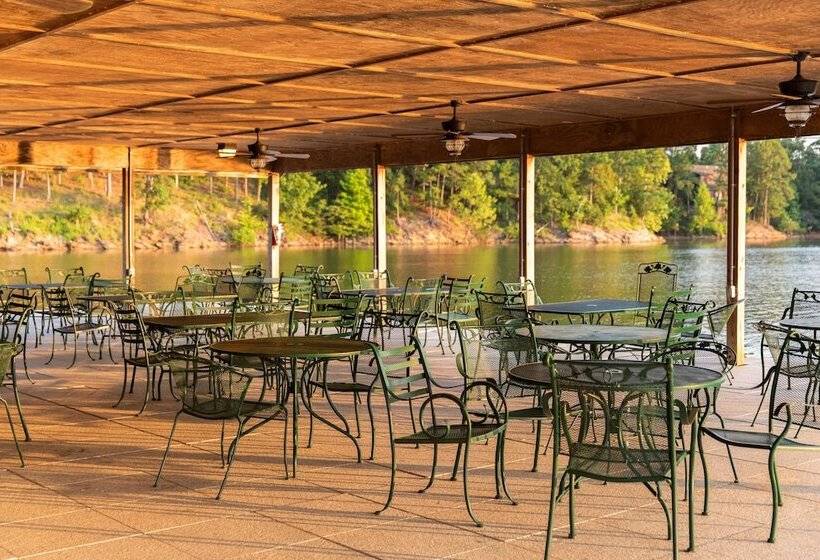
(736,240)
(127,220)
(526,214)
(379,178)
(274,234)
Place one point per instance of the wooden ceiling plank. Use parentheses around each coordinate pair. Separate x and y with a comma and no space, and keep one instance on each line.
(105,67)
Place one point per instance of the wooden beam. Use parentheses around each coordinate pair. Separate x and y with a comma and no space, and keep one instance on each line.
(378,177)
(127,219)
(274,232)
(736,239)
(526,213)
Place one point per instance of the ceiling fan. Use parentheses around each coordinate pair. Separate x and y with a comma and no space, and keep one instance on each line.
(258,154)
(456,137)
(800,92)
(60,6)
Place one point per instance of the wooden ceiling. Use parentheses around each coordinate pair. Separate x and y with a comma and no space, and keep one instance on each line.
(353,74)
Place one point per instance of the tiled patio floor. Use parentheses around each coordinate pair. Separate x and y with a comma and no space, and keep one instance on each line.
(87,491)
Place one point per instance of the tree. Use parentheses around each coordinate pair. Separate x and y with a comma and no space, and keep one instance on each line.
(805,157)
(156,192)
(397,198)
(351,213)
(473,203)
(683,183)
(769,183)
(302,203)
(704,220)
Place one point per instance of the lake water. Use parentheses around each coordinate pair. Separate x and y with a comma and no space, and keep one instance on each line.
(562,272)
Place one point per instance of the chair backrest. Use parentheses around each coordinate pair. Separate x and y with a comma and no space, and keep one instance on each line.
(773,337)
(608,418)
(683,326)
(13,276)
(365,279)
(195,285)
(17,311)
(327,285)
(341,314)
(131,330)
(403,372)
(307,270)
(56,275)
(702,353)
(496,308)
(660,277)
(420,295)
(489,352)
(804,303)
(457,296)
(680,304)
(60,304)
(78,284)
(100,286)
(794,381)
(719,317)
(298,288)
(528,287)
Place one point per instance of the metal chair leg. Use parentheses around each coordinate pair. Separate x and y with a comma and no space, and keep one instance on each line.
(167,448)
(13,432)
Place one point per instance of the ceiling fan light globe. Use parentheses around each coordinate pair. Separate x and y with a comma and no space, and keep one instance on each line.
(797,115)
(259,163)
(455,146)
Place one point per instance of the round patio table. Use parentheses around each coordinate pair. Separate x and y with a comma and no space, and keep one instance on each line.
(392,291)
(595,336)
(587,309)
(802,323)
(312,348)
(684,377)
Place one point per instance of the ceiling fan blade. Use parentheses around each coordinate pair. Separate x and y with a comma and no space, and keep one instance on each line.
(418,135)
(768,108)
(290,156)
(489,135)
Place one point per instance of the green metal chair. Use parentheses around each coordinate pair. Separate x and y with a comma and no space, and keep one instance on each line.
(804,303)
(14,324)
(656,283)
(69,321)
(527,287)
(307,270)
(58,275)
(478,414)
(294,288)
(772,337)
(489,352)
(800,357)
(497,308)
(221,394)
(604,427)
(7,353)
(457,304)
(139,351)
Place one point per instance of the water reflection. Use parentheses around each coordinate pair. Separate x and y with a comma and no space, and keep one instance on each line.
(562,272)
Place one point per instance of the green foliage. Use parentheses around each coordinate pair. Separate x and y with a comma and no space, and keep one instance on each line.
(397,196)
(805,159)
(70,222)
(156,191)
(473,204)
(350,215)
(303,203)
(704,219)
(246,227)
(770,183)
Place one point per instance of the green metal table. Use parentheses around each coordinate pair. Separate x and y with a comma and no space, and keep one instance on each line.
(802,323)
(684,378)
(588,309)
(596,336)
(293,348)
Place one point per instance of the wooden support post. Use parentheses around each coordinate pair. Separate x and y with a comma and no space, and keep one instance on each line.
(127,220)
(274,233)
(736,240)
(48,185)
(210,184)
(245,186)
(108,185)
(378,176)
(526,213)
(176,181)
(14,186)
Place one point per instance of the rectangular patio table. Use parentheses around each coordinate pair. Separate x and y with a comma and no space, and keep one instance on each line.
(596,336)
(177,323)
(587,309)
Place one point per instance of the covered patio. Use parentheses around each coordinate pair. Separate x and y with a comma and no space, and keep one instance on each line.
(153,86)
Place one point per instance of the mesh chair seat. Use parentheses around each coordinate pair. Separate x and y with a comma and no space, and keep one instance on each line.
(616,464)
(227,408)
(171,360)
(82,328)
(753,440)
(451,434)
(531,413)
(343,386)
(802,370)
(456,316)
